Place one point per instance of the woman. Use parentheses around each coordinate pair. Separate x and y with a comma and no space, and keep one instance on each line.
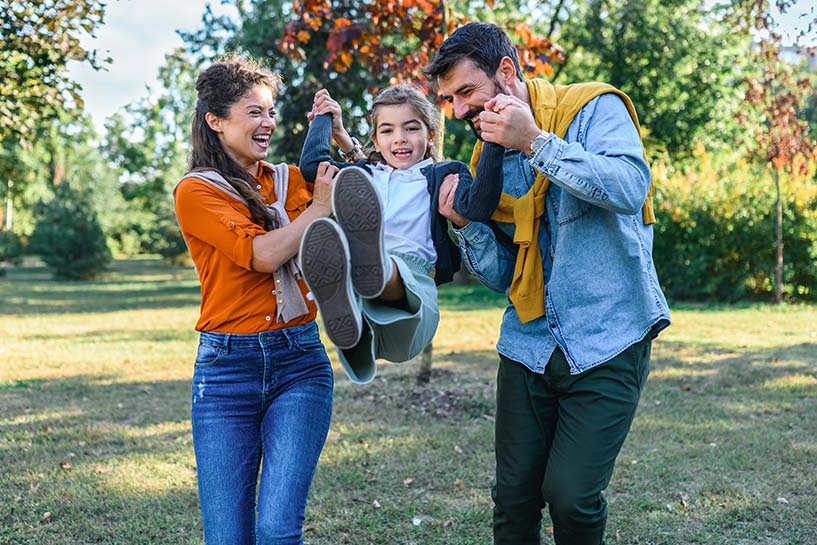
(262,386)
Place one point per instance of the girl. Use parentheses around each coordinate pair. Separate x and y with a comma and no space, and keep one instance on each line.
(262,385)
(388,236)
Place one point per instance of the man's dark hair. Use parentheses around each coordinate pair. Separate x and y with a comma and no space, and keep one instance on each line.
(484,44)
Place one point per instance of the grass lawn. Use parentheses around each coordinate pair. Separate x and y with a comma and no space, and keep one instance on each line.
(95,443)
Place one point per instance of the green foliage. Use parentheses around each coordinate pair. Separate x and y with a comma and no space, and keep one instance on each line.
(678,61)
(148,141)
(11,247)
(37,39)
(715,230)
(68,236)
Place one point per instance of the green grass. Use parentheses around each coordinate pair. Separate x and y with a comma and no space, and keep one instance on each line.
(95,442)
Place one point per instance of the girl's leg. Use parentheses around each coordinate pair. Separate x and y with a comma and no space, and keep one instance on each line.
(395,290)
(227,439)
(298,401)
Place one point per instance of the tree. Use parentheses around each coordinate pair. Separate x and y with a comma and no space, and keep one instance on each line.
(149,142)
(782,141)
(68,236)
(677,60)
(37,39)
(352,49)
(390,41)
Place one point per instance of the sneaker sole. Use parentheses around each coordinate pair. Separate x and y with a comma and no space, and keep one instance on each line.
(324,261)
(359,212)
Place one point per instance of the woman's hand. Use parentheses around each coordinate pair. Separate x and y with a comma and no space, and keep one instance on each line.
(445,207)
(322,194)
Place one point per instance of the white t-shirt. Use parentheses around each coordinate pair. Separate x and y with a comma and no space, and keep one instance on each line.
(406,203)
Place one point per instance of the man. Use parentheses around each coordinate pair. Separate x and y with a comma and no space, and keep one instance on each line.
(571,243)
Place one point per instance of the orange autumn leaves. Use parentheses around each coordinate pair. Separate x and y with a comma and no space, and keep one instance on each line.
(394,38)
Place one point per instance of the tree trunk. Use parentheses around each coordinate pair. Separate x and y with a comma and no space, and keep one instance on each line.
(778,285)
(424,376)
(9,213)
(440,136)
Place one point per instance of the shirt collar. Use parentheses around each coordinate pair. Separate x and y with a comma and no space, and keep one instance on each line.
(414,170)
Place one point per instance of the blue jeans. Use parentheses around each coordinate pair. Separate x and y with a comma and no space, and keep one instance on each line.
(260,401)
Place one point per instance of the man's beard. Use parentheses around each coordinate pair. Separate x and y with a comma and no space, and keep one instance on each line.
(474,112)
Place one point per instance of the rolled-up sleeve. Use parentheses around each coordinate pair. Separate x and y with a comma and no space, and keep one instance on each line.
(207,215)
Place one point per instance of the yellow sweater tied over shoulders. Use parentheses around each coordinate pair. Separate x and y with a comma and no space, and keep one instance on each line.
(554,107)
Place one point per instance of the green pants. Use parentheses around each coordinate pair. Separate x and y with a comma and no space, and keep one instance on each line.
(557,438)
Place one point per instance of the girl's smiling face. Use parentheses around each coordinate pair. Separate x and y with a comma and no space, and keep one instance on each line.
(400,137)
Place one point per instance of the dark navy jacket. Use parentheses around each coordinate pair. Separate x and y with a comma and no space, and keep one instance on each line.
(474,200)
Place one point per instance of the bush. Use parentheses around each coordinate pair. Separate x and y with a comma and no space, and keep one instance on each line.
(68,236)
(166,237)
(715,230)
(11,247)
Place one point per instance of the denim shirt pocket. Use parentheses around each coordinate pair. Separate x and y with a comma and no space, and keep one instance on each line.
(208,353)
(518,175)
(571,208)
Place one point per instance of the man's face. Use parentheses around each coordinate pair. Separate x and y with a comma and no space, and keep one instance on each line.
(468,88)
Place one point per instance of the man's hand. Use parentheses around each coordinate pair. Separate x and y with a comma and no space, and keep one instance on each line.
(446,204)
(508,121)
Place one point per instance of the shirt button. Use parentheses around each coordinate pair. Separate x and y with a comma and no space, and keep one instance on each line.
(280,301)
(277,280)
(267,318)
(258,186)
(273,292)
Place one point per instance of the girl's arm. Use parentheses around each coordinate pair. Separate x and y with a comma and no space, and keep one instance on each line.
(274,248)
(316,148)
(477,198)
(326,124)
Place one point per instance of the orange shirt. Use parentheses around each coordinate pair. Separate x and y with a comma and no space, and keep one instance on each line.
(219,232)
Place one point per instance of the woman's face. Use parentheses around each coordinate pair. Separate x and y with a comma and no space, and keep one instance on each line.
(246,132)
(400,136)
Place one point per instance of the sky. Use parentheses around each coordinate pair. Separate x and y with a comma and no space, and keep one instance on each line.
(138,33)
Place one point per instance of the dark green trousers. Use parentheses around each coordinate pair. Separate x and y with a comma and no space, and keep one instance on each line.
(557,438)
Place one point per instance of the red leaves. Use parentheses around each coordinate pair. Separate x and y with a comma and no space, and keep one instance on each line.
(395,38)
(783,139)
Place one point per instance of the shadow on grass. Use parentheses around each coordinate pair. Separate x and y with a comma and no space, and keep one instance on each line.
(723,370)
(120,336)
(142,283)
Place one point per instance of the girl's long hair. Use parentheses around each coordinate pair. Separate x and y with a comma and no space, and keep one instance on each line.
(218,87)
(397,95)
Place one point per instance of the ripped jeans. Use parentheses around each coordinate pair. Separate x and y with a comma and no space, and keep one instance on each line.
(260,402)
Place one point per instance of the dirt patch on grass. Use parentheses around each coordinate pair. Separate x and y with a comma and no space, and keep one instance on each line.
(448,395)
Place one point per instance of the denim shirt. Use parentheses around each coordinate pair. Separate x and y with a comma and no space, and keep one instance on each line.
(601,289)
